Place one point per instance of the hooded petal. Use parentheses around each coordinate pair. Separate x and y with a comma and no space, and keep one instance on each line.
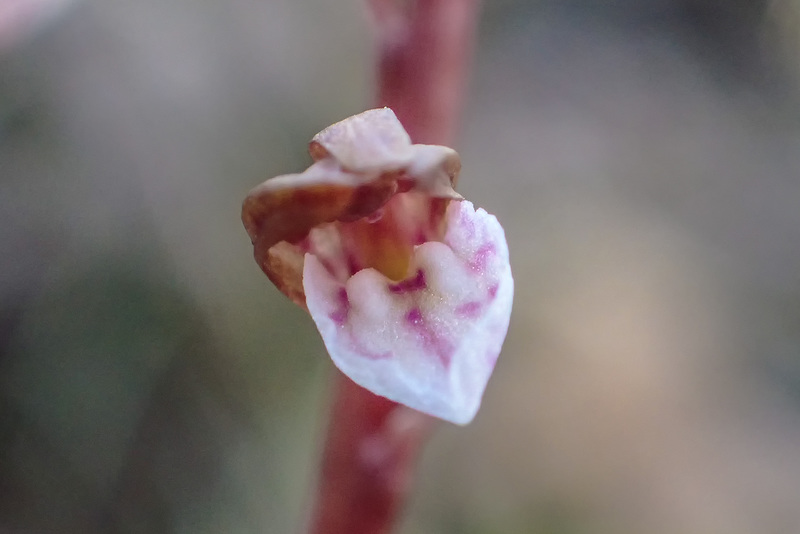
(431,340)
(370,141)
(360,164)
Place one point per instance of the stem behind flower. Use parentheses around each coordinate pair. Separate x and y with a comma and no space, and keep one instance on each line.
(372,444)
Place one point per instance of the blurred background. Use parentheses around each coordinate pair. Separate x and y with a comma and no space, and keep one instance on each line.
(643,156)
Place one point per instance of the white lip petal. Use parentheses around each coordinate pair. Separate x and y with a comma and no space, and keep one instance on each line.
(430,341)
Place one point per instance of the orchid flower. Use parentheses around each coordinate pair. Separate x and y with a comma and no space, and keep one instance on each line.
(409,285)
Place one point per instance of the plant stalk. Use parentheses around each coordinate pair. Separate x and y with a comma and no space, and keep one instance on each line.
(372,444)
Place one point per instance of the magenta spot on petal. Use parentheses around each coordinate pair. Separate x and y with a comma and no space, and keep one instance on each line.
(493,291)
(420,238)
(410,284)
(469,310)
(435,343)
(482,256)
(339,316)
(414,317)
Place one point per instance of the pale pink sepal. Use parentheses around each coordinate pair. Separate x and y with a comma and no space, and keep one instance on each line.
(430,341)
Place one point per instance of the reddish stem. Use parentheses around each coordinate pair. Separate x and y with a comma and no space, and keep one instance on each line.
(367,466)
(425,52)
(372,443)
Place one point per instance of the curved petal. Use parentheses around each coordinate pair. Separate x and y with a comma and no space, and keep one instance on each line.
(360,164)
(370,141)
(431,340)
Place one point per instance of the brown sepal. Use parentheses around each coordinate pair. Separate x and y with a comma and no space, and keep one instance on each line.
(359,163)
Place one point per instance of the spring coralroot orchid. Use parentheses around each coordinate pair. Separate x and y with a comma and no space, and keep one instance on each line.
(408,284)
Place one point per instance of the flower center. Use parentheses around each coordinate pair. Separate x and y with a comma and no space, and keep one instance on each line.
(385,241)
(381,245)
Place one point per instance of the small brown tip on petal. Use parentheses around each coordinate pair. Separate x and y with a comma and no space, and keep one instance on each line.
(435,169)
(283,265)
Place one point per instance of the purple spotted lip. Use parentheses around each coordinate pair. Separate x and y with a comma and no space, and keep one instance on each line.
(409,285)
